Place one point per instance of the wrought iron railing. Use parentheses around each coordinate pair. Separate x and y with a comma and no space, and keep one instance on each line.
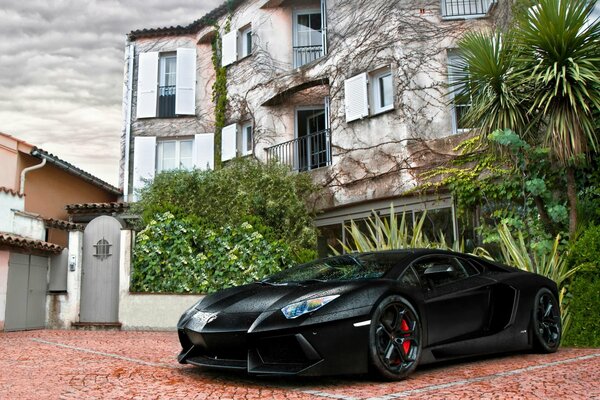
(166,101)
(304,153)
(466,8)
(305,54)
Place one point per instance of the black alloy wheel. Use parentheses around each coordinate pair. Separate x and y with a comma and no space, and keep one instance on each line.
(547,327)
(395,338)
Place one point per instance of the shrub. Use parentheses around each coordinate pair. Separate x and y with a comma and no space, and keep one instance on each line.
(584,305)
(584,290)
(268,196)
(586,249)
(183,256)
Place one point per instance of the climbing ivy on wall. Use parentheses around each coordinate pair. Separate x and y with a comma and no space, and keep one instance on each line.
(219,89)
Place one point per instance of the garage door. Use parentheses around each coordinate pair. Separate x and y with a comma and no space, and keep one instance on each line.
(26,292)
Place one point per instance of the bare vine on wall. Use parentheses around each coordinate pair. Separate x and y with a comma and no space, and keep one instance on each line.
(388,149)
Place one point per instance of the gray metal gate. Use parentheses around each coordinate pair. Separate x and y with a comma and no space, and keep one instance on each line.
(26,294)
(100,273)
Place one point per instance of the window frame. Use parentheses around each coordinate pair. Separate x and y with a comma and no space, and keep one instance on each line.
(162,73)
(245,42)
(244,150)
(453,62)
(376,91)
(160,154)
(452,259)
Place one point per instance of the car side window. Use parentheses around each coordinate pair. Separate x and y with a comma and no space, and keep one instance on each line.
(409,278)
(440,270)
(470,268)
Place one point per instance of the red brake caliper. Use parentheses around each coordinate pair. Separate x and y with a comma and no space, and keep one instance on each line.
(406,344)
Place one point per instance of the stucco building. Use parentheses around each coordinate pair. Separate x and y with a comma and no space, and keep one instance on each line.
(37,242)
(354,93)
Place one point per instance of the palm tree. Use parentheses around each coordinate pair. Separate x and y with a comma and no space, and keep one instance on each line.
(542,80)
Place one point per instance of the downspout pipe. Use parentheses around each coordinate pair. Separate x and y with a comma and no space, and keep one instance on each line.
(130,54)
(29,169)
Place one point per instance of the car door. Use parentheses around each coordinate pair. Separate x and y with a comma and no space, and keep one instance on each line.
(457,297)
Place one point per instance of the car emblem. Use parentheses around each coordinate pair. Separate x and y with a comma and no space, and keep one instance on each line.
(211,318)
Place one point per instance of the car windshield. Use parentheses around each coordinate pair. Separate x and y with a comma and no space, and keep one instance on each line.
(348,267)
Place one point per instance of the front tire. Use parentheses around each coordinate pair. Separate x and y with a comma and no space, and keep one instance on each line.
(394,339)
(547,327)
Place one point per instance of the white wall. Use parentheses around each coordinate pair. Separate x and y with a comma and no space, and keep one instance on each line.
(29,226)
(8,203)
(63,309)
(4,255)
(146,311)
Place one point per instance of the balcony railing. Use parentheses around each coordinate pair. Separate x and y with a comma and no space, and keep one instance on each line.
(304,153)
(305,54)
(166,101)
(465,8)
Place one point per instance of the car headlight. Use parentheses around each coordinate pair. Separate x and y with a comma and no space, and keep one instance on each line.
(295,310)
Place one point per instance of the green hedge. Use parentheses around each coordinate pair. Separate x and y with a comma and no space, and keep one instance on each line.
(268,196)
(584,306)
(584,291)
(181,256)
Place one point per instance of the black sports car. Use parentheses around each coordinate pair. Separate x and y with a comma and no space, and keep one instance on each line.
(381,311)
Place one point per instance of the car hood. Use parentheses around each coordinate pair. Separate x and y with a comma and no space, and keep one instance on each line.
(261,297)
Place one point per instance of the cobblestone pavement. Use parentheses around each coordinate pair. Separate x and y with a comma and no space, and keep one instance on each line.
(141,365)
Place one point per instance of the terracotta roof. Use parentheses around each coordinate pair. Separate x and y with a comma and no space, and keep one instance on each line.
(54,160)
(62,224)
(9,239)
(10,191)
(96,207)
(207,20)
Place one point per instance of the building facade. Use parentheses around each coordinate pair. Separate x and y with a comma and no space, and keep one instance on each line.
(354,93)
(40,250)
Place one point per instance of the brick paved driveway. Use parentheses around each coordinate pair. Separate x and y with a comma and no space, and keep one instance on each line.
(141,365)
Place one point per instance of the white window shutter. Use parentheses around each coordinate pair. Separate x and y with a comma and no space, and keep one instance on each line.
(144,160)
(185,95)
(147,84)
(356,97)
(228,142)
(229,48)
(204,151)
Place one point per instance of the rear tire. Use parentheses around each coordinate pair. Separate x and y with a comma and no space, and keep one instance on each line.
(547,326)
(394,339)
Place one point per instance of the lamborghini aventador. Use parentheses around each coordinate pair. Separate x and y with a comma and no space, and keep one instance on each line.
(383,312)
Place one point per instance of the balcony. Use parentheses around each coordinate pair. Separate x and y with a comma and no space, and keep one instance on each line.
(166,101)
(455,9)
(304,153)
(306,54)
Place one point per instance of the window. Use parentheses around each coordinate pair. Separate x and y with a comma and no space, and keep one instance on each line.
(382,91)
(441,270)
(460,101)
(409,278)
(308,37)
(174,154)
(465,8)
(102,249)
(236,45)
(166,85)
(247,140)
(369,93)
(246,42)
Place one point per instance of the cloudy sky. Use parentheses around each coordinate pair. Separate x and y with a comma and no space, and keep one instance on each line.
(61,72)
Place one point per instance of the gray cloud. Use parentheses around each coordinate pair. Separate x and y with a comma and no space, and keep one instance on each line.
(61,72)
